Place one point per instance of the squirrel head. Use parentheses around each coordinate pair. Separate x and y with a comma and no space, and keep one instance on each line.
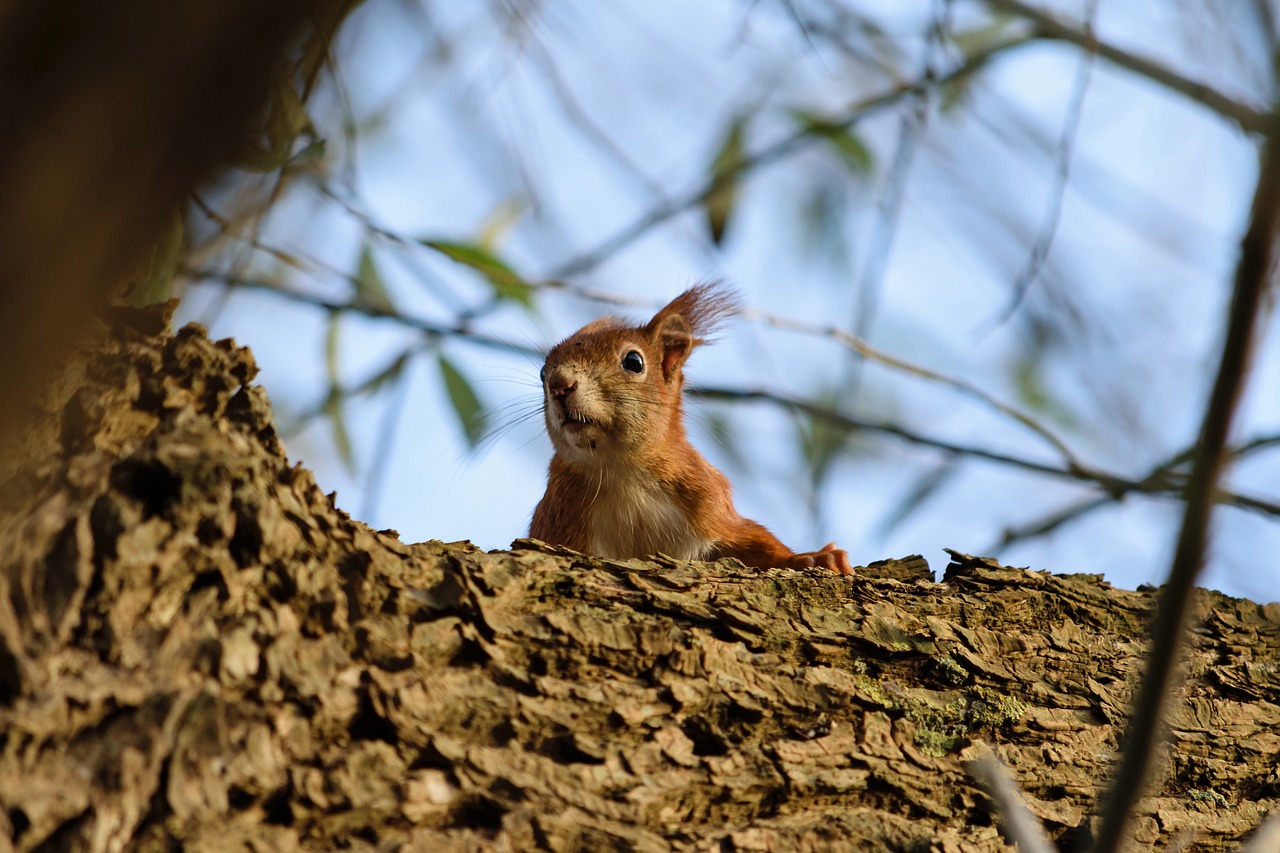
(612,392)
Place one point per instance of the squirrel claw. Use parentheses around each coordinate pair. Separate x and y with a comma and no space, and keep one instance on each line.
(829,557)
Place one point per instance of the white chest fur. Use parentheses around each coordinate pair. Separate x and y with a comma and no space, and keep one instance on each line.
(631,516)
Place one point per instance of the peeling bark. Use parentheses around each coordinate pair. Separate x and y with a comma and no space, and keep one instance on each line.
(198,649)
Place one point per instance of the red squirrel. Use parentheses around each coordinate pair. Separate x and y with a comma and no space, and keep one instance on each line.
(624,481)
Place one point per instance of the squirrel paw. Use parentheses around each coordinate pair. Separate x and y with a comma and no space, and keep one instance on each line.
(830,557)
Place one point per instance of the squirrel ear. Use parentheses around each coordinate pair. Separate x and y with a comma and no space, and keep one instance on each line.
(673,336)
(685,321)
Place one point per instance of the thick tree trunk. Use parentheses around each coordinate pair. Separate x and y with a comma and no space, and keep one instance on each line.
(112,112)
(198,650)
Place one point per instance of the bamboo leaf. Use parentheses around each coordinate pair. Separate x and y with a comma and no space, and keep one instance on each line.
(466,404)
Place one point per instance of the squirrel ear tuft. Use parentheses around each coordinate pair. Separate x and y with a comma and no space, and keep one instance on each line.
(689,320)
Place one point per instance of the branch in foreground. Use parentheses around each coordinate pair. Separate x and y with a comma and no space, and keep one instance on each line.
(111,113)
(1257,257)
(1020,825)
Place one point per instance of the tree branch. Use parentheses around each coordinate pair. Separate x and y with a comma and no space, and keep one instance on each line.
(1019,824)
(864,109)
(1049,27)
(1113,484)
(1257,256)
(461,330)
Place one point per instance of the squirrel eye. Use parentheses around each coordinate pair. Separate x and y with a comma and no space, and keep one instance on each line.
(633,361)
(542,374)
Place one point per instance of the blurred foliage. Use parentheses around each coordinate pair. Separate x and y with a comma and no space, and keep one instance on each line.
(586,166)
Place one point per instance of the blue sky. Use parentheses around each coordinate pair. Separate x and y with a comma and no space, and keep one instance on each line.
(472,129)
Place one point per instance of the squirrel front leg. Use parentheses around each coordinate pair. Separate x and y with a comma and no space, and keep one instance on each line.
(753,544)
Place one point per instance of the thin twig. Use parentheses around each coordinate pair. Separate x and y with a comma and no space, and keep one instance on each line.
(461,331)
(1062,173)
(1047,26)
(800,139)
(1112,484)
(864,349)
(1266,839)
(911,129)
(342,392)
(1257,255)
(1019,824)
(1165,474)
(1046,525)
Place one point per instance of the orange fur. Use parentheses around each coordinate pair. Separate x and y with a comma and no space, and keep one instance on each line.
(625,481)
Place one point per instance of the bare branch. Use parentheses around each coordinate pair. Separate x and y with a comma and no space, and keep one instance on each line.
(1048,524)
(1020,825)
(1257,256)
(1165,473)
(865,350)
(1062,172)
(368,385)
(1047,26)
(1266,839)
(1114,485)
(461,330)
(864,109)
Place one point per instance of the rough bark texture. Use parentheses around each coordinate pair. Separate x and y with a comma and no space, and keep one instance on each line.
(198,650)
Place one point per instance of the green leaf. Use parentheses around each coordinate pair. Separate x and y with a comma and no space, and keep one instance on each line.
(847,145)
(335,412)
(333,404)
(392,372)
(506,282)
(986,39)
(726,170)
(465,402)
(371,291)
(155,284)
(996,31)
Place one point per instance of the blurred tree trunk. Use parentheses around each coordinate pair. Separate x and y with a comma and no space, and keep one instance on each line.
(112,112)
(198,651)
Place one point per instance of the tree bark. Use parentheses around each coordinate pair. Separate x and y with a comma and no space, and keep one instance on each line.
(198,650)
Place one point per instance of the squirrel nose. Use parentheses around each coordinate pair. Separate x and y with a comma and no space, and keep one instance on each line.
(561,388)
